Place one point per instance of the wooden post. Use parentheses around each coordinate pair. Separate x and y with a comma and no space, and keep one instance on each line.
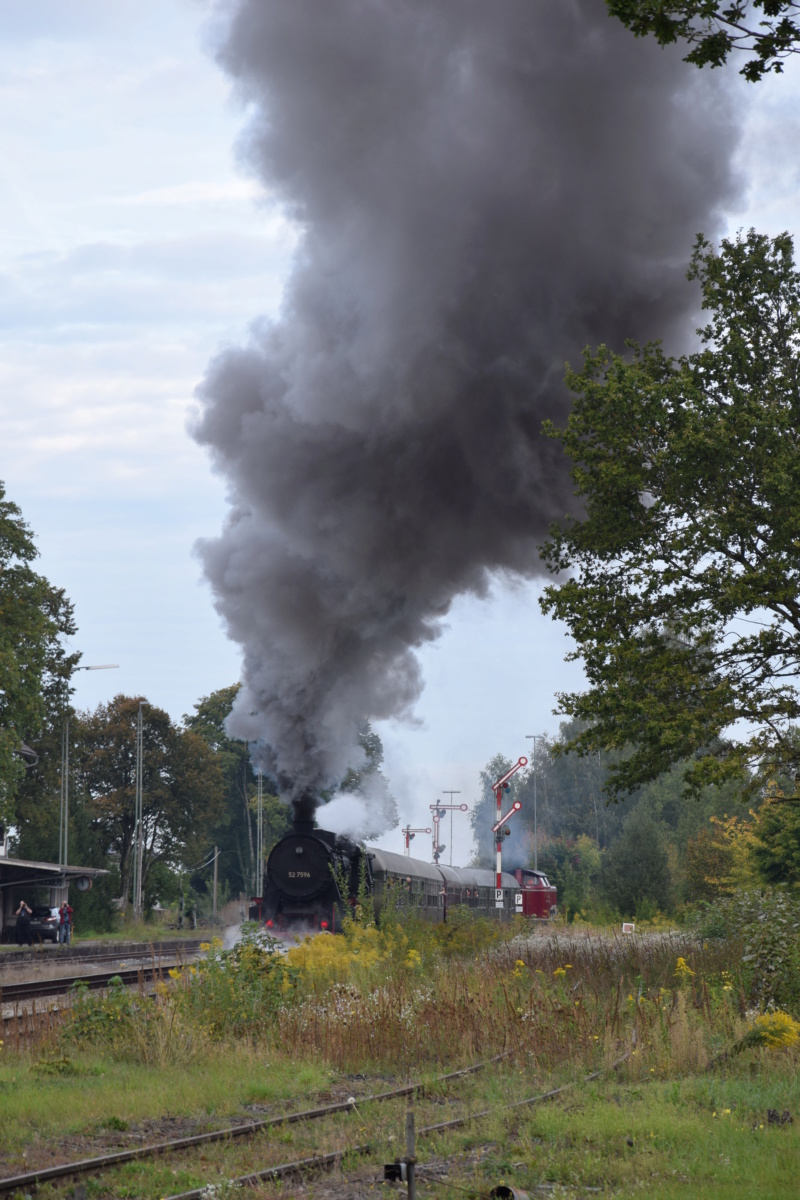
(411,1159)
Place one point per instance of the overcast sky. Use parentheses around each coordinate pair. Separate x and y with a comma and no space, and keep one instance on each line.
(131,250)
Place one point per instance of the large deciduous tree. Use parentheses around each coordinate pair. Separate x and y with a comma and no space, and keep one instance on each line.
(685,569)
(766,30)
(182,786)
(35,667)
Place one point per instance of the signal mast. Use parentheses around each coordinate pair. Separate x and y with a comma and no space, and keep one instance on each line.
(408,834)
(500,828)
(439,811)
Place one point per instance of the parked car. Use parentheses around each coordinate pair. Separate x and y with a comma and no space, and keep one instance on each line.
(45,922)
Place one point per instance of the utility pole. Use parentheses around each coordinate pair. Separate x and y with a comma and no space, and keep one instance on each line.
(216,856)
(63,823)
(63,820)
(451,806)
(534,737)
(139,819)
(258,890)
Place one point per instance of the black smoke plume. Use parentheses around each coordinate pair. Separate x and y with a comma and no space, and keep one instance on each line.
(483,188)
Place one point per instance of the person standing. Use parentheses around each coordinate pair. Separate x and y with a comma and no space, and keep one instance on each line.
(23,915)
(64,924)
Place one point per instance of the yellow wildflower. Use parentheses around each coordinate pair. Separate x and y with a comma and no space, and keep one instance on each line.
(777,1029)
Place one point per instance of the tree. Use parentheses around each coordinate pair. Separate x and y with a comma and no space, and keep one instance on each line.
(720,858)
(181,786)
(765,29)
(572,866)
(776,845)
(35,668)
(235,832)
(684,570)
(635,874)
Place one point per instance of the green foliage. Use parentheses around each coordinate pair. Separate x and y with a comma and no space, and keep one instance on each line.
(762,925)
(636,876)
(128,1025)
(682,589)
(233,993)
(765,29)
(34,666)
(182,785)
(234,831)
(776,849)
(573,866)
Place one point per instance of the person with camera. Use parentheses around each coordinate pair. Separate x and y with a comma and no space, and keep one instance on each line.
(64,924)
(23,915)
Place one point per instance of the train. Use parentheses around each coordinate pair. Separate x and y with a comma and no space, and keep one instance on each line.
(314,877)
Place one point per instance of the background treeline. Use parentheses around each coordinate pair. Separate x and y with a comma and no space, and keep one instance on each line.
(656,852)
(199,791)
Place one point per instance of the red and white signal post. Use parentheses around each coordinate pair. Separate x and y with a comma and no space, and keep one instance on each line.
(501,785)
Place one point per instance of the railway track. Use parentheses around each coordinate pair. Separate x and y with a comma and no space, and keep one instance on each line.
(38,989)
(315,1163)
(122,953)
(88,1166)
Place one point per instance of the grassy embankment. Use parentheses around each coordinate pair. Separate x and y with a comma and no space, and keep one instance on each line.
(249,1033)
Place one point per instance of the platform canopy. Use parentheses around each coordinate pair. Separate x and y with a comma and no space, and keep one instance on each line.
(23,872)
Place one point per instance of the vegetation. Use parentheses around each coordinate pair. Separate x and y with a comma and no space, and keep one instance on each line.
(687,1061)
(682,588)
(235,831)
(767,30)
(34,666)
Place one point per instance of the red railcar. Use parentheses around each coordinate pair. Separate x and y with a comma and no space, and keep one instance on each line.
(538,894)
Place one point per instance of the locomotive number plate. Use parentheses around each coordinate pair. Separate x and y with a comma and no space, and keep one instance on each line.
(299,874)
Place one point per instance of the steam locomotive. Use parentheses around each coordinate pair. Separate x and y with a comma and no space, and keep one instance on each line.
(313,876)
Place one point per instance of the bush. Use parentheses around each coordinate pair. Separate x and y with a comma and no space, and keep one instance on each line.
(764,925)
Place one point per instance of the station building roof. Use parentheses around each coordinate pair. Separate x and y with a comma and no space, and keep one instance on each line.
(17,872)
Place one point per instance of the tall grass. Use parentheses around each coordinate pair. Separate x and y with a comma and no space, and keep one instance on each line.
(405,994)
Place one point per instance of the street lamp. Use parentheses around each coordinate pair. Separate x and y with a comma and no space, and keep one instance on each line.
(63,823)
(533,737)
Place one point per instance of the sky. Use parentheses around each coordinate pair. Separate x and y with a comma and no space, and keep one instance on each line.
(132,249)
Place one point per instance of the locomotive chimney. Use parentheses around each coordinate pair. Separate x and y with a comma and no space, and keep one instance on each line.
(304,806)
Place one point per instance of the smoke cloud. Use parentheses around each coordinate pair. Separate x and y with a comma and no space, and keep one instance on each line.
(482,189)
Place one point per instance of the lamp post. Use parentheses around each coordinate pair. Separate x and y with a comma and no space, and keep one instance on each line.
(63,821)
(534,737)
